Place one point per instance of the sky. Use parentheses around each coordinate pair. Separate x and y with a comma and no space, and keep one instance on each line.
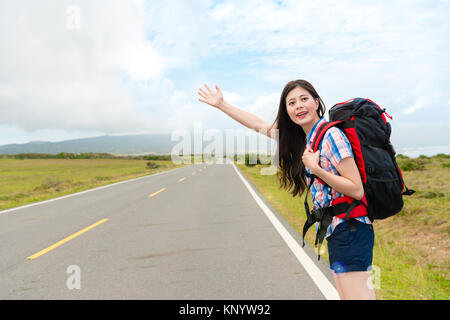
(74,69)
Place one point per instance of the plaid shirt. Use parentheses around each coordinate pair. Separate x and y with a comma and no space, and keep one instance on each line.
(334,147)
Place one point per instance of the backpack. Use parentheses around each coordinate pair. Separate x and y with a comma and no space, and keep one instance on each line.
(364,124)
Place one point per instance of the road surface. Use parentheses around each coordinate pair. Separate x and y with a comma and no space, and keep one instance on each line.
(195,232)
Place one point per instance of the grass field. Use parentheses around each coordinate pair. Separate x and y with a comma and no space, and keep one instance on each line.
(31,180)
(411,249)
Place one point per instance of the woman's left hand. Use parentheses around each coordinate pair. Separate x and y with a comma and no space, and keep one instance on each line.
(311,159)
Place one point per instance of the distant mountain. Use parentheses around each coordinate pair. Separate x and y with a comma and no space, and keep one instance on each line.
(127,144)
(157,143)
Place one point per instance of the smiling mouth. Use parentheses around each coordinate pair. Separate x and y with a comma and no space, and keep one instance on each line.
(301,114)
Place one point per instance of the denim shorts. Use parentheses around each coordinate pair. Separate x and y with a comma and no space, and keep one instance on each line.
(350,246)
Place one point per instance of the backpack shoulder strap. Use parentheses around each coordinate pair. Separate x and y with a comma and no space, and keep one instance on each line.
(316,143)
(321,132)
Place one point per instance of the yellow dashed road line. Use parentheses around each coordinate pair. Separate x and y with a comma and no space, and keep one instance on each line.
(155,193)
(57,244)
(40,253)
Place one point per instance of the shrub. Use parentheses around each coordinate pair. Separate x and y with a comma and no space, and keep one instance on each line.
(430,194)
(50,184)
(101,178)
(152,165)
(247,161)
(433,194)
(410,165)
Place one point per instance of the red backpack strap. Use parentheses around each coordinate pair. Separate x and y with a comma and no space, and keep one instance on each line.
(318,139)
(321,132)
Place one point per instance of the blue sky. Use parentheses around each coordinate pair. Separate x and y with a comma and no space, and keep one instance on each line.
(72,69)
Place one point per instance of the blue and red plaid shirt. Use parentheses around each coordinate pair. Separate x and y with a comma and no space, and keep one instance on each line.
(334,147)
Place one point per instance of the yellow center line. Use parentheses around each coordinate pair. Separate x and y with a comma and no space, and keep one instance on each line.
(155,193)
(40,253)
(181,179)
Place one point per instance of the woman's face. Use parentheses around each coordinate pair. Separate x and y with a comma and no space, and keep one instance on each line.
(302,108)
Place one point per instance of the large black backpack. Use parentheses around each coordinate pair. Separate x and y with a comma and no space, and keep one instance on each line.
(364,123)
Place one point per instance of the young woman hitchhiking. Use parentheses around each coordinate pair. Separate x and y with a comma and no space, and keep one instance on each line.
(300,114)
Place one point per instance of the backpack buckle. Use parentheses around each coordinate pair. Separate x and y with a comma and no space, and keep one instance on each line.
(408,192)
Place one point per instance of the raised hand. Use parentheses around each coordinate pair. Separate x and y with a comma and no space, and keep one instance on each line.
(210,97)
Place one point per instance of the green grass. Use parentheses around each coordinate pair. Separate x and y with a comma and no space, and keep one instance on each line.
(411,248)
(30,180)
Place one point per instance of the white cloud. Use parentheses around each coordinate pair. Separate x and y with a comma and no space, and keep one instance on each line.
(232,98)
(53,76)
(266,107)
(348,45)
(180,30)
(121,70)
(419,103)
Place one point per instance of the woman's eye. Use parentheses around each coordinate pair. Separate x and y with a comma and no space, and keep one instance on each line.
(305,98)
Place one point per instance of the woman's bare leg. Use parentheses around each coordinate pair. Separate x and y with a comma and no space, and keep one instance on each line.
(338,285)
(355,285)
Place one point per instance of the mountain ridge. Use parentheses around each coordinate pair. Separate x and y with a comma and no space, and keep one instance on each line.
(158,143)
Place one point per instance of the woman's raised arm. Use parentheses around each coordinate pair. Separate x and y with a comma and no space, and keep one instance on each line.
(245,118)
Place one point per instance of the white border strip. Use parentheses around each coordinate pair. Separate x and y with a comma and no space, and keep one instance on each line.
(86,191)
(322,282)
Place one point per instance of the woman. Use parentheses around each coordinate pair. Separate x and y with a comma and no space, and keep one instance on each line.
(300,113)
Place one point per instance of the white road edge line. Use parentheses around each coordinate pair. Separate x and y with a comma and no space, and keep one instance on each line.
(85,191)
(322,282)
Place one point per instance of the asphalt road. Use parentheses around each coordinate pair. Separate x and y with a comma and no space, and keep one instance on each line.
(202,237)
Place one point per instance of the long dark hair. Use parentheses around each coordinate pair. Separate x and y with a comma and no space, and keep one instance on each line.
(291,143)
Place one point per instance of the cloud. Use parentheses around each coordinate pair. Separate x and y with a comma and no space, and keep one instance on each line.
(313,28)
(135,66)
(346,45)
(419,103)
(180,30)
(232,98)
(266,107)
(63,71)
